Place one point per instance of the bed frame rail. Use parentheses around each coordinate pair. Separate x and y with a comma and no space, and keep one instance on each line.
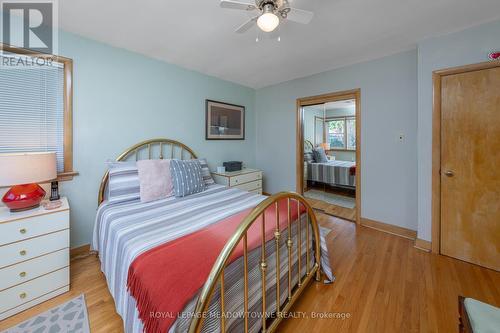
(216,277)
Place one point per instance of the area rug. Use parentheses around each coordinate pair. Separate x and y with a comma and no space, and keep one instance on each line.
(334,199)
(69,317)
(324,230)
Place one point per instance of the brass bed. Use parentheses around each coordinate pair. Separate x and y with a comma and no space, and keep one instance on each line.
(166,148)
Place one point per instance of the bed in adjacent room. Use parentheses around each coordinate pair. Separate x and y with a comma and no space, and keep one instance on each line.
(165,261)
(333,173)
(319,168)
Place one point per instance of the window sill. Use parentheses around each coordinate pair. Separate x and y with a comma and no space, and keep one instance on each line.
(65,176)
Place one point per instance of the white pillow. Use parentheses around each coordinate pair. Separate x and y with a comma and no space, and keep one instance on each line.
(155,180)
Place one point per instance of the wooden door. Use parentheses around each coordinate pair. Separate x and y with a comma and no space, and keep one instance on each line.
(470,166)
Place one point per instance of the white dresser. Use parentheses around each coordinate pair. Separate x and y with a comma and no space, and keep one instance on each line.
(247,179)
(34,257)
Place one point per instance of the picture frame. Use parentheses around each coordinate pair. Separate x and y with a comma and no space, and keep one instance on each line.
(224,121)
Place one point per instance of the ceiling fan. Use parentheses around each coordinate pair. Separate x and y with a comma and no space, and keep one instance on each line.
(269,13)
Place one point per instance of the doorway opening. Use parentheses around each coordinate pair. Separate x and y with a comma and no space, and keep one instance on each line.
(328,153)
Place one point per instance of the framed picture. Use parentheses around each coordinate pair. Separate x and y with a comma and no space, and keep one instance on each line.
(224,121)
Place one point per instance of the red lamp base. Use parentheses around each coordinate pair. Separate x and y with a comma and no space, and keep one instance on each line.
(23,197)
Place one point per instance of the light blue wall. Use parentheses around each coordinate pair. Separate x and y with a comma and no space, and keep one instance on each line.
(121,98)
(309,116)
(388,108)
(460,48)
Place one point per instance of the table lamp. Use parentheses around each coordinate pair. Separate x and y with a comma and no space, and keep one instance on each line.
(23,171)
(325,146)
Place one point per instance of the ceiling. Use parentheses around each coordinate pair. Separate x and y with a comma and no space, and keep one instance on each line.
(198,35)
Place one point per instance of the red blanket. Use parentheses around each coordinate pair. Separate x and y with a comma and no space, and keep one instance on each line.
(164,279)
(352,170)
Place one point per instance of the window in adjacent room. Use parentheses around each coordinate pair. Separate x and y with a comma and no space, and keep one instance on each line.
(336,133)
(342,132)
(351,133)
(36,105)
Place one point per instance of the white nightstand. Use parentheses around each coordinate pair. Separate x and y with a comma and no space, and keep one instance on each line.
(34,257)
(247,179)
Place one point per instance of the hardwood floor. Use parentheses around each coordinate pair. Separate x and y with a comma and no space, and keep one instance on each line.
(382,282)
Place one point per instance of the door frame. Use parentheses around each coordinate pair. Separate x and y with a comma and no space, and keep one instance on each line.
(436,143)
(320,99)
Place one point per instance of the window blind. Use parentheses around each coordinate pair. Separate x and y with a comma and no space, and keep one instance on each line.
(32,109)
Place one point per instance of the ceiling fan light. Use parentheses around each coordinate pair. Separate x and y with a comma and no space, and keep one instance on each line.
(267,22)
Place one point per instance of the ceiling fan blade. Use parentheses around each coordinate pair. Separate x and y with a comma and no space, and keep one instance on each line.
(299,15)
(231,4)
(247,25)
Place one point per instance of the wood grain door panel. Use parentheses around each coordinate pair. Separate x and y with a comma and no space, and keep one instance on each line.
(470,167)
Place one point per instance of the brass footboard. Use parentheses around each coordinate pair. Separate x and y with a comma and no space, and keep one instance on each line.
(216,277)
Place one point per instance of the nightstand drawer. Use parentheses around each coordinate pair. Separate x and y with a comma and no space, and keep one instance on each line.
(245,178)
(28,249)
(33,226)
(28,270)
(251,186)
(30,290)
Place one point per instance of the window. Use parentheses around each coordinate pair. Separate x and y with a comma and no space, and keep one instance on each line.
(342,133)
(351,133)
(35,105)
(336,133)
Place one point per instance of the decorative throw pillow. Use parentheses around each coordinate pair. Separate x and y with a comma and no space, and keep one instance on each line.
(205,172)
(186,177)
(320,155)
(155,180)
(123,182)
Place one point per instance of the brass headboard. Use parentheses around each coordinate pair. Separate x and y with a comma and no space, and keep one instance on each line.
(148,146)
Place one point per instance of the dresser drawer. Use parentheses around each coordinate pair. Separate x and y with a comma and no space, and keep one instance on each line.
(251,186)
(26,292)
(30,269)
(33,226)
(34,247)
(245,178)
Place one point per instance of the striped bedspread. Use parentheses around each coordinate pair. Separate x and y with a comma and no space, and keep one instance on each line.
(123,231)
(332,173)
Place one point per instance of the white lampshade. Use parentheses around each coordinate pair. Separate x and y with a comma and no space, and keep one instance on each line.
(27,168)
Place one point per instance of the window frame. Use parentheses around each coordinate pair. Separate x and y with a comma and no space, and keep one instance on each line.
(344,119)
(68,172)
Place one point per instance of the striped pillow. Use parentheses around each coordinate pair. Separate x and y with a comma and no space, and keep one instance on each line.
(320,155)
(123,183)
(205,172)
(187,177)
(309,157)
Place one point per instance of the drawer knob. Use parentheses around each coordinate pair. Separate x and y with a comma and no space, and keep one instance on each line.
(22,252)
(22,274)
(23,230)
(22,295)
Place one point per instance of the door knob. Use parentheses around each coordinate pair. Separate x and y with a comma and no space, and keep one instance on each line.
(449,173)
